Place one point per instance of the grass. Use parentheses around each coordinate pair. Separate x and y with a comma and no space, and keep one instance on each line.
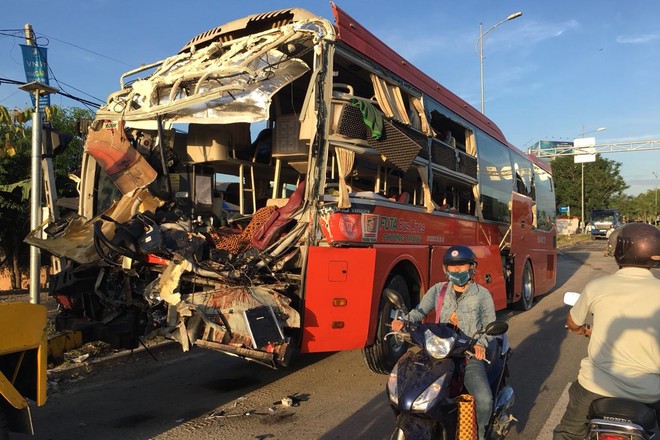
(569,240)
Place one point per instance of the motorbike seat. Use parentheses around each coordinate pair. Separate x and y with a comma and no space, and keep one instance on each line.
(623,409)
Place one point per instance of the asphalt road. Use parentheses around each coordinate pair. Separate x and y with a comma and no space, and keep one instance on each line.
(207,395)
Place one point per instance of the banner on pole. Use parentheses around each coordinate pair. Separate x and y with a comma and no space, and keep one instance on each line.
(35,61)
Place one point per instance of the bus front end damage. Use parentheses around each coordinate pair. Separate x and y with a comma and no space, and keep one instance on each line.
(161,245)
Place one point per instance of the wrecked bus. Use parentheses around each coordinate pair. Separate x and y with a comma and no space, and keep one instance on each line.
(256,192)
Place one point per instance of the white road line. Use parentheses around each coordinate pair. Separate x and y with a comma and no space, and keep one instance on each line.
(555,416)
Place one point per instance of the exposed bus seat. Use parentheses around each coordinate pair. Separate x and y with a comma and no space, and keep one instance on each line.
(263,146)
(287,144)
(232,193)
(213,142)
(279,220)
(404,197)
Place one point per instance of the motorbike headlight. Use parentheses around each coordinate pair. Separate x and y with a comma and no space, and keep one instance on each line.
(429,394)
(436,346)
(391,386)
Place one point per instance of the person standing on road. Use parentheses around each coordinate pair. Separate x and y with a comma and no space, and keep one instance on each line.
(624,350)
(470,307)
(612,235)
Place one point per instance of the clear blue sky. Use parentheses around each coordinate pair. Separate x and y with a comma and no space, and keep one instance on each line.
(563,68)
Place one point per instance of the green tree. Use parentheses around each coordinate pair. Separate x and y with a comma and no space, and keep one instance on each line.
(15,158)
(641,207)
(14,168)
(65,121)
(603,184)
(626,206)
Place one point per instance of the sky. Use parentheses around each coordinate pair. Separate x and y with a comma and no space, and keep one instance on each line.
(563,69)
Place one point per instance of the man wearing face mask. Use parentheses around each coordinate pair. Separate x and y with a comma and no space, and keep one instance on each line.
(470,307)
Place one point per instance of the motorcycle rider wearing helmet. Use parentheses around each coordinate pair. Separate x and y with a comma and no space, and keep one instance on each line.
(623,357)
(470,307)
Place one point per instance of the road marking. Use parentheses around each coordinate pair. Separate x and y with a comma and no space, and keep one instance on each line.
(555,416)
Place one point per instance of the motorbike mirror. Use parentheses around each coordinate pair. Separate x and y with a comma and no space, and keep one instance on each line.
(570,298)
(496,328)
(394,297)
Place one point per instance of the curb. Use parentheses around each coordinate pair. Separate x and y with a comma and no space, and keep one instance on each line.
(121,357)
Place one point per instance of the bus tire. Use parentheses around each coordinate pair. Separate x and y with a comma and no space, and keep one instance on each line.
(527,298)
(383,354)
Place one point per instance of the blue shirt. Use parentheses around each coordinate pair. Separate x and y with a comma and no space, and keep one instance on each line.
(474,308)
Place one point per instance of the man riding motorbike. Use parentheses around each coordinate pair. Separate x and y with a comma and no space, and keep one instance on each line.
(624,350)
(470,307)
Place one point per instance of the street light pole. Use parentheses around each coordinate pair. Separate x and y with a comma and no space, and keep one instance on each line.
(655,219)
(582,224)
(480,42)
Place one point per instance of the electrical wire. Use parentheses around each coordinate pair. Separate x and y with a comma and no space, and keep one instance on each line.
(68,95)
(86,50)
(19,33)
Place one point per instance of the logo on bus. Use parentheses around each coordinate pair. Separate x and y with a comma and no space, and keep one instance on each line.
(348,227)
(369,227)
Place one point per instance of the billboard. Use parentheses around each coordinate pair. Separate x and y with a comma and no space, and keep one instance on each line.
(584,150)
(550,149)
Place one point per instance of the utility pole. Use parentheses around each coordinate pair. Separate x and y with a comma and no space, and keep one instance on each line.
(35,171)
(35,190)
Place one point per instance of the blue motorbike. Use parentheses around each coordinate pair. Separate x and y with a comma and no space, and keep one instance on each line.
(425,381)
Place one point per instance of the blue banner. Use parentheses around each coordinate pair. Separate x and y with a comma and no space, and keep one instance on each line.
(35,62)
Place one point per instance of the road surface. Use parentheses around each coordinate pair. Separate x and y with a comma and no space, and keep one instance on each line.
(208,395)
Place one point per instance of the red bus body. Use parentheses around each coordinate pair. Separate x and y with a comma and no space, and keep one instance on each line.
(364,172)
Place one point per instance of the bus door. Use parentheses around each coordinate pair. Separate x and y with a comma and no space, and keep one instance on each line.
(522,237)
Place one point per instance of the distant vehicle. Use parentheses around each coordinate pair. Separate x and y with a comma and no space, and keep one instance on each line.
(603,222)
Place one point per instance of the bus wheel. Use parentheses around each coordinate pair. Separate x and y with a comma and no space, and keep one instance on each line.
(382,356)
(527,299)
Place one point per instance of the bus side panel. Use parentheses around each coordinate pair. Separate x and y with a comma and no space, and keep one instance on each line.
(545,258)
(335,274)
(490,273)
(387,257)
(528,243)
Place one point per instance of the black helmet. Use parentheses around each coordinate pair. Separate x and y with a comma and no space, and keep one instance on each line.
(459,255)
(636,244)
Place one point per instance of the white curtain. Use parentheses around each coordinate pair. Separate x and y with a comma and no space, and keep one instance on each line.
(470,144)
(390,99)
(429,204)
(477,202)
(345,159)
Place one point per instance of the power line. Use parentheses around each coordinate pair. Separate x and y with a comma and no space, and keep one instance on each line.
(86,50)
(68,95)
(18,33)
